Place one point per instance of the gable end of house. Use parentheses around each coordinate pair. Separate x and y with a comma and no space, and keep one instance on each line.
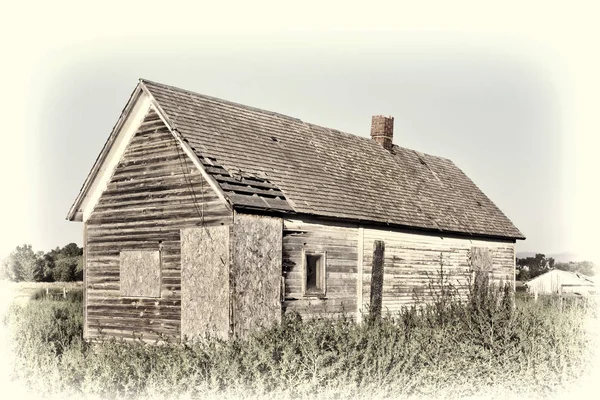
(140,105)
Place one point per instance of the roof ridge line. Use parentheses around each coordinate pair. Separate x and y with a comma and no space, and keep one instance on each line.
(272,113)
(220,100)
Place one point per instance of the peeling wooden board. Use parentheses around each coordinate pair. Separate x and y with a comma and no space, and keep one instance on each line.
(340,242)
(412,262)
(205,281)
(257,247)
(85,280)
(359,274)
(155,191)
(140,273)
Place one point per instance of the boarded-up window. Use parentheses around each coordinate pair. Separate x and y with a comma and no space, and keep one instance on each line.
(205,268)
(140,273)
(481,262)
(314,274)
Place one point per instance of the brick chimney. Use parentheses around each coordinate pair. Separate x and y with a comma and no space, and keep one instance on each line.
(382,130)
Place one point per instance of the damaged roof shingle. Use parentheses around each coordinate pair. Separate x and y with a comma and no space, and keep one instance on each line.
(286,164)
(246,190)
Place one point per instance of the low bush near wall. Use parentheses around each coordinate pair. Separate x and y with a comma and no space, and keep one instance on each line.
(482,346)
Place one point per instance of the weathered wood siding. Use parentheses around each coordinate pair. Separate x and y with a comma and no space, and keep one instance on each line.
(154,192)
(340,241)
(412,261)
(256,274)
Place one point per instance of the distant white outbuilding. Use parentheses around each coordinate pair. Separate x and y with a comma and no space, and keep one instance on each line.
(560,282)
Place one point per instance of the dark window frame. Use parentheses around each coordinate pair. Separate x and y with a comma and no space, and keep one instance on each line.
(320,280)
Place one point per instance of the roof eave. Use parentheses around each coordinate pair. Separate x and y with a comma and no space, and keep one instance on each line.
(474,235)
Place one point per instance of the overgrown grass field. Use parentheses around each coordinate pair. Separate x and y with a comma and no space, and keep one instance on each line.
(21,292)
(484,345)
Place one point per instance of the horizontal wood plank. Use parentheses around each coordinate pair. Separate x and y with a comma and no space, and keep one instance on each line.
(154,192)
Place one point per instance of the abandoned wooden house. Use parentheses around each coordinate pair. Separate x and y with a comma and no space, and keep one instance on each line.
(202,214)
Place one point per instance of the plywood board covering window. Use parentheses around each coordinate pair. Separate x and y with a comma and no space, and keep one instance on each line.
(205,281)
(481,262)
(140,273)
(315,270)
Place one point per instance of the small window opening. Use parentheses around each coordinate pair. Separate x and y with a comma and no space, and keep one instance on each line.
(315,274)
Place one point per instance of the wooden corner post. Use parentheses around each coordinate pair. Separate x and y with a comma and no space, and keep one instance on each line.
(377,280)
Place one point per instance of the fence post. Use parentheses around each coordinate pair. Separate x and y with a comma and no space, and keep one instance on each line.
(64,293)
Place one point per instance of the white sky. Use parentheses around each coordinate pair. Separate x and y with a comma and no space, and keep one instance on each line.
(509,93)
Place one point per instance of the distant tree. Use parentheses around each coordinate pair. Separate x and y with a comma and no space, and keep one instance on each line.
(60,264)
(47,266)
(5,270)
(68,263)
(79,269)
(64,271)
(71,250)
(23,264)
(530,267)
(523,273)
(583,267)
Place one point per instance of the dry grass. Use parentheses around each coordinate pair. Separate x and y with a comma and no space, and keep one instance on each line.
(479,348)
(21,292)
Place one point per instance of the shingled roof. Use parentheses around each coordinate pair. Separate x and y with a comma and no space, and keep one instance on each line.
(265,160)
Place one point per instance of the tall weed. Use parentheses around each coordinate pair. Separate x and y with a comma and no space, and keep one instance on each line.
(448,346)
